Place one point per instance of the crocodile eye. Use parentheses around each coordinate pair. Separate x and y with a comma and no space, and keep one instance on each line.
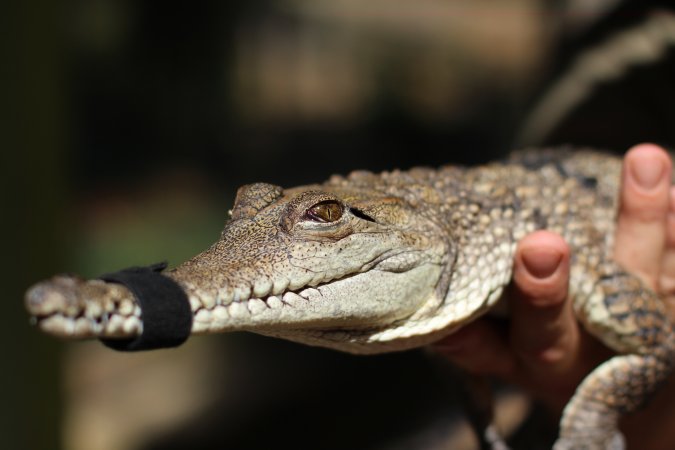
(326,211)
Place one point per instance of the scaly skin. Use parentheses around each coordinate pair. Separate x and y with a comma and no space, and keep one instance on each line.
(375,263)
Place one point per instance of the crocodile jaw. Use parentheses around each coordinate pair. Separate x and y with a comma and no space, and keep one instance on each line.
(355,305)
(343,311)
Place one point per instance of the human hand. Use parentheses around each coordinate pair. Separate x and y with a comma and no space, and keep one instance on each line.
(544,350)
(645,245)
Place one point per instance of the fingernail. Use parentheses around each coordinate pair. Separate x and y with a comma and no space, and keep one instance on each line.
(541,264)
(647,172)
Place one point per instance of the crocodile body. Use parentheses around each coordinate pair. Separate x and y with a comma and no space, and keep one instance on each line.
(373,263)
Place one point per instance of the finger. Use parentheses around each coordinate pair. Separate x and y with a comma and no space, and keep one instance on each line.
(641,231)
(544,333)
(667,280)
(478,348)
(552,350)
(668,266)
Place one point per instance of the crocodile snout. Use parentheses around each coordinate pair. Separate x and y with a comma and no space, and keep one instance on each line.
(56,295)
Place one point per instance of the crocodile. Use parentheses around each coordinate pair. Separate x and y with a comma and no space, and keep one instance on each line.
(372,263)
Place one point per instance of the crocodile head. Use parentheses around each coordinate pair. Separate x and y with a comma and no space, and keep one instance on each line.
(354,269)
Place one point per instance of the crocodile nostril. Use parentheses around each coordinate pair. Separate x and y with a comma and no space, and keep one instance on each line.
(47,298)
(41,300)
(35,298)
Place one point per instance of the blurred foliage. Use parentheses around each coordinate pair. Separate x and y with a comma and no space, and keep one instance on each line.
(155,225)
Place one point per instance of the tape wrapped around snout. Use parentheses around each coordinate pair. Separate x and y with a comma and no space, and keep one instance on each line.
(165,309)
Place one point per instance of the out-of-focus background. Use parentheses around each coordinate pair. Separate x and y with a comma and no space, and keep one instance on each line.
(127,126)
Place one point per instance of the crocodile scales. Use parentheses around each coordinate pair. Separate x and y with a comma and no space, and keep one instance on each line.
(373,263)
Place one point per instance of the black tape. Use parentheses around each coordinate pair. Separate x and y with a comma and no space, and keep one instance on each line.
(165,309)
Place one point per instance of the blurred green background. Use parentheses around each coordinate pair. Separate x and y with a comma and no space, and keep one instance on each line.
(127,126)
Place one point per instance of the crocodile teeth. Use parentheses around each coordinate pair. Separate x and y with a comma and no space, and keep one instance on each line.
(225,296)
(306,293)
(208,300)
(132,325)
(262,288)
(195,302)
(300,281)
(241,293)
(256,305)
(109,305)
(93,310)
(126,308)
(274,302)
(221,313)
(280,286)
(293,299)
(53,323)
(203,315)
(238,310)
(115,324)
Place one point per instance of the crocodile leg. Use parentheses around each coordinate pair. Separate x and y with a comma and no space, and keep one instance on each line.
(630,319)
(620,385)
